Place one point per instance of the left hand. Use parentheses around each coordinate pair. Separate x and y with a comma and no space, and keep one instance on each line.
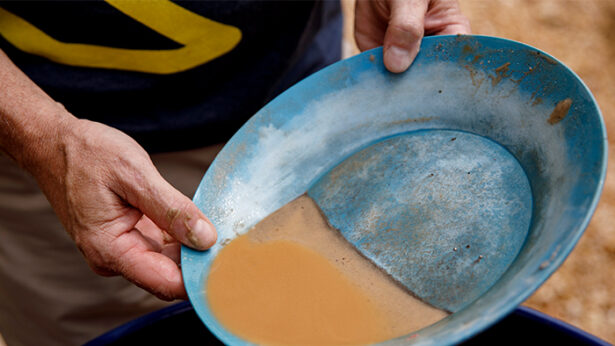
(399,26)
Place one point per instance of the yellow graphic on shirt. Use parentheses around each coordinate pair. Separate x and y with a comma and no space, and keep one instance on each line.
(202,39)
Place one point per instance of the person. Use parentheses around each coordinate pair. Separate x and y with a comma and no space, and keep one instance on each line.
(110,112)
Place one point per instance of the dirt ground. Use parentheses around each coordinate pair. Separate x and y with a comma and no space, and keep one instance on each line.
(581,34)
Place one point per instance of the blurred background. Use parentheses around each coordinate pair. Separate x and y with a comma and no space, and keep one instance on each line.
(581,34)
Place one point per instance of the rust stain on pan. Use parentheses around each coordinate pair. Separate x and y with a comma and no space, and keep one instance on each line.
(560,111)
(500,73)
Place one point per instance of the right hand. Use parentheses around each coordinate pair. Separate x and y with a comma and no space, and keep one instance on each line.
(399,26)
(124,217)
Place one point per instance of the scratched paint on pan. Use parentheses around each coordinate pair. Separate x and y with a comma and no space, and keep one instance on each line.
(444,212)
(284,156)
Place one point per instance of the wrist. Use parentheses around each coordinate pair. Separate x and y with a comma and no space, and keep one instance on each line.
(36,139)
(32,124)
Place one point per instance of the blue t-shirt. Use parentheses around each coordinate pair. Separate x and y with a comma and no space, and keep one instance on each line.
(173,75)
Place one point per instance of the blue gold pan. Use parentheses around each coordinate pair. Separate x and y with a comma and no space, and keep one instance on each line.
(468,178)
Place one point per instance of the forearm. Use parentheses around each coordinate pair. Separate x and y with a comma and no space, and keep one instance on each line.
(31,122)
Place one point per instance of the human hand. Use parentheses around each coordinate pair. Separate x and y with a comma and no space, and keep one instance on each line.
(124,217)
(399,26)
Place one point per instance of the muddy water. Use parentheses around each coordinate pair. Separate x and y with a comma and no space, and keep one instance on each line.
(293,279)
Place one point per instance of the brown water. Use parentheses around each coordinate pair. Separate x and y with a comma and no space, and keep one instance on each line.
(293,279)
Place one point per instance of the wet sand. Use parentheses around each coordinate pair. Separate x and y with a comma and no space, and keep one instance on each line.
(293,279)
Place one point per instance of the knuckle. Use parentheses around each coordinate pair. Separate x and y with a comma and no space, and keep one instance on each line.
(127,269)
(409,27)
(178,211)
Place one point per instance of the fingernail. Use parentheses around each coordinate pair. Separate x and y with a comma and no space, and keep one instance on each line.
(202,234)
(397,59)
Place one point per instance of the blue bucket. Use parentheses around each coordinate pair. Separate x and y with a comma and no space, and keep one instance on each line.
(179,325)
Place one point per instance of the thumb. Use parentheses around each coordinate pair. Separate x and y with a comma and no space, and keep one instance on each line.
(402,38)
(171,211)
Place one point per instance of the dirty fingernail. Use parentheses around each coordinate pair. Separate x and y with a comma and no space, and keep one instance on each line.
(397,59)
(202,234)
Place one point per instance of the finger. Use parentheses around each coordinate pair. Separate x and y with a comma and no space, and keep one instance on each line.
(173,251)
(455,29)
(403,36)
(171,211)
(160,240)
(370,24)
(152,232)
(136,260)
(444,17)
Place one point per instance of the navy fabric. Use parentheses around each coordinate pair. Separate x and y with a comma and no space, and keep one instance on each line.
(282,42)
